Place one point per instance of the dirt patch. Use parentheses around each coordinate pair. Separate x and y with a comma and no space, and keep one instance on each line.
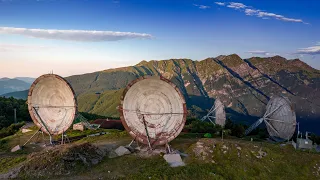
(61,160)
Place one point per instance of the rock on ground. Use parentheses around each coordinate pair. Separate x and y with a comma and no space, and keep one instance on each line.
(174,160)
(16,148)
(25,130)
(121,150)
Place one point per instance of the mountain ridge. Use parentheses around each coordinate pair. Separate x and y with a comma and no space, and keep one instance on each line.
(8,85)
(243,85)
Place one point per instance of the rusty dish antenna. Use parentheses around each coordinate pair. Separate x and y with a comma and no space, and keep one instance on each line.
(153,110)
(216,114)
(52,104)
(280,119)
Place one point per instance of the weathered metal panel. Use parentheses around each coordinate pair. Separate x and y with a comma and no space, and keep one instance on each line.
(55,101)
(220,114)
(158,101)
(281,123)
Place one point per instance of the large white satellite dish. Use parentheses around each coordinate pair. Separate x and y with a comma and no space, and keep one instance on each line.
(280,119)
(216,114)
(153,110)
(52,104)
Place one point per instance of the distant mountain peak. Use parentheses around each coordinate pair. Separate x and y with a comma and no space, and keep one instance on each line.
(4,79)
(299,63)
(229,57)
(143,62)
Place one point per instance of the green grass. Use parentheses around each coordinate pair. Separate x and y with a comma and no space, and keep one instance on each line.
(133,167)
(10,162)
(105,104)
(279,163)
(112,134)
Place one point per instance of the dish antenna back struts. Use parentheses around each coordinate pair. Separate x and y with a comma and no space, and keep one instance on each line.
(280,119)
(216,114)
(52,104)
(153,110)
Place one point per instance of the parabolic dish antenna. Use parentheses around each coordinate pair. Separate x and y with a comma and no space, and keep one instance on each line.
(217,112)
(280,119)
(153,110)
(52,104)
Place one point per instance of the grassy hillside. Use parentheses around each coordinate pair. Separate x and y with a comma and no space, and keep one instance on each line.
(103,104)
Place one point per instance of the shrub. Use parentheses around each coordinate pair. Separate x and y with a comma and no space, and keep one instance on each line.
(12,129)
(198,126)
(207,135)
(238,130)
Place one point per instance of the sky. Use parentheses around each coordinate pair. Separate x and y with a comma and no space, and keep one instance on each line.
(72,37)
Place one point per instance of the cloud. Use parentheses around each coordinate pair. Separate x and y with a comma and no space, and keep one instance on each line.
(74,35)
(235,5)
(259,52)
(202,6)
(313,50)
(250,11)
(220,3)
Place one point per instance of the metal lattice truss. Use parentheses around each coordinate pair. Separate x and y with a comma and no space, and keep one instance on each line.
(279,118)
(216,114)
(87,124)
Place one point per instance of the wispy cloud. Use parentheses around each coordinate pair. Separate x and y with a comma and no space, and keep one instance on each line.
(201,6)
(220,3)
(235,5)
(74,35)
(258,52)
(313,50)
(251,11)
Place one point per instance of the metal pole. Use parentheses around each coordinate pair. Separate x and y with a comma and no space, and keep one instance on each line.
(168,147)
(145,126)
(222,134)
(266,115)
(31,137)
(15,115)
(298,130)
(62,138)
(43,124)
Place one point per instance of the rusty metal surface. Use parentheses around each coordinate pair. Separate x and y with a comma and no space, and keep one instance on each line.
(55,101)
(161,104)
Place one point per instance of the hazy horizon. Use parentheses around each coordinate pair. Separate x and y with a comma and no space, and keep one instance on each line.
(66,75)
